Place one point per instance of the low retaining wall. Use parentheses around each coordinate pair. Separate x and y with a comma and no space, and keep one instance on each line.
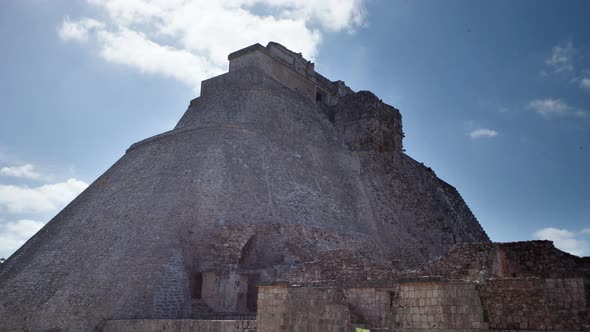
(297,309)
(536,304)
(507,304)
(179,325)
(439,306)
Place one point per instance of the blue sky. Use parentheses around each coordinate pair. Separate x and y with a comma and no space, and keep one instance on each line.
(495,96)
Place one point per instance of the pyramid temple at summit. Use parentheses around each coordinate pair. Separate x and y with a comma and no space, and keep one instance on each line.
(282,201)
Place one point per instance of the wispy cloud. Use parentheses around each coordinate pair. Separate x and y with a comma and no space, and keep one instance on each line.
(561,59)
(78,30)
(15,234)
(41,199)
(482,133)
(134,49)
(26,171)
(549,107)
(552,107)
(572,242)
(132,33)
(562,62)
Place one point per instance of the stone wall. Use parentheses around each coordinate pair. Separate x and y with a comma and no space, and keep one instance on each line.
(310,309)
(536,259)
(365,123)
(179,325)
(429,304)
(371,306)
(291,70)
(435,306)
(462,261)
(286,67)
(345,266)
(506,260)
(535,304)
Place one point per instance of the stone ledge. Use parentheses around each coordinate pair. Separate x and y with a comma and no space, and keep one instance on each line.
(179,325)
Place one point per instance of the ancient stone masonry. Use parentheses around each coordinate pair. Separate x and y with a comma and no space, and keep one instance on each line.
(501,260)
(302,309)
(463,291)
(535,303)
(281,201)
(365,123)
(180,325)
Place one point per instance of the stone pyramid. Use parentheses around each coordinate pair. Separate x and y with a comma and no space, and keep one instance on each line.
(272,168)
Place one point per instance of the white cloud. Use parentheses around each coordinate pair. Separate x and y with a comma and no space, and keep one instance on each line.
(585,83)
(26,171)
(134,49)
(561,59)
(15,234)
(23,228)
(45,198)
(482,133)
(565,240)
(78,30)
(189,40)
(549,107)
(551,233)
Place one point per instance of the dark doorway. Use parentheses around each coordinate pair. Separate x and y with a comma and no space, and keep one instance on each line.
(197,286)
(252,293)
(318,97)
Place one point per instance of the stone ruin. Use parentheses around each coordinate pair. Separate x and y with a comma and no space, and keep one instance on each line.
(282,201)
